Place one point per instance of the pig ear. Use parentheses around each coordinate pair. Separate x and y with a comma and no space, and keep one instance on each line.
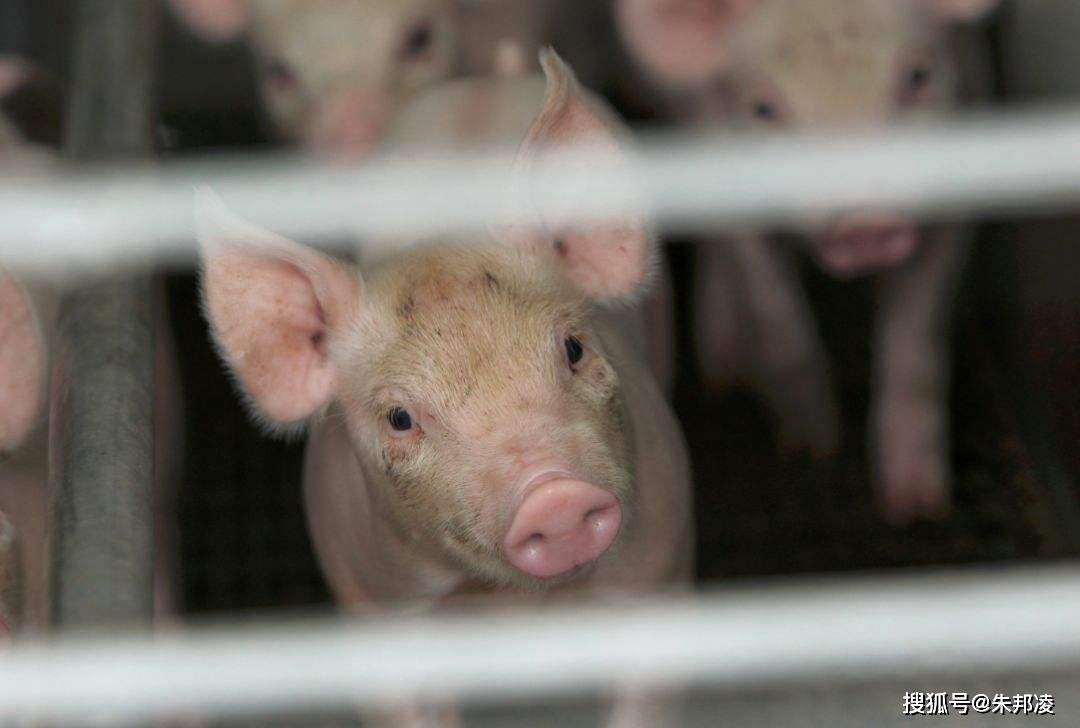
(680,42)
(23,367)
(604,260)
(962,11)
(219,21)
(274,307)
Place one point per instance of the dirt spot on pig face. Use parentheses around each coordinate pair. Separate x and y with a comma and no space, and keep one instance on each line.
(460,388)
(826,64)
(334,72)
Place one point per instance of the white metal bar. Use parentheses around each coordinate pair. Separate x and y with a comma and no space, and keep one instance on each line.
(1015,162)
(844,630)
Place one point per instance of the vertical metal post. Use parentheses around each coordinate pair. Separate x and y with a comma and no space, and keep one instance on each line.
(101,432)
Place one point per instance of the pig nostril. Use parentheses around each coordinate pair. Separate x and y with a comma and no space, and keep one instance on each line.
(593,517)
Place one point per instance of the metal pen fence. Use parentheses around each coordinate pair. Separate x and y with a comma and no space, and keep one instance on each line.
(128,216)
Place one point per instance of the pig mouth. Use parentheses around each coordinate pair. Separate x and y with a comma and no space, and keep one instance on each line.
(867,243)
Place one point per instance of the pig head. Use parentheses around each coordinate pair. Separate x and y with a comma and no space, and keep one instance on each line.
(474,396)
(811,65)
(334,72)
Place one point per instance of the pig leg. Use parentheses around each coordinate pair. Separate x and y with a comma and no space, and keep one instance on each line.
(909,415)
(719,323)
(788,359)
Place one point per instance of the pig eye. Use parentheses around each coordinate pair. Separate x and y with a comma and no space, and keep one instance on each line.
(400,420)
(575,352)
(916,83)
(418,40)
(919,77)
(766,111)
(280,75)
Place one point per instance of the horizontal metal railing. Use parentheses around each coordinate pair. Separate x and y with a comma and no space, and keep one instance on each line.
(827,631)
(104,217)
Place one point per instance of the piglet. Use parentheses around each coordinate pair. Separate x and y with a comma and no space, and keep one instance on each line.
(825,65)
(479,418)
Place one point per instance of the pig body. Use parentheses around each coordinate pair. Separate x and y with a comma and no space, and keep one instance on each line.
(488,425)
(771,65)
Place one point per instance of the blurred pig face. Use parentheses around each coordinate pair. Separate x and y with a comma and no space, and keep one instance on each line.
(826,65)
(809,65)
(334,72)
(477,392)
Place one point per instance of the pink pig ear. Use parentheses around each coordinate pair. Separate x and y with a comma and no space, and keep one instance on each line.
(23,367)
(680,42)
(273,306)
(962,11)
(219,21)
(607,259)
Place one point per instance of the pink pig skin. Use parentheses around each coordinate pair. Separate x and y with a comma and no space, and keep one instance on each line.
(825,65)
(539,459)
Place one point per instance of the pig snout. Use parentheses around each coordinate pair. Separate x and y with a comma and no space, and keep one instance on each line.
(864,243)
(560,525)
(351,127)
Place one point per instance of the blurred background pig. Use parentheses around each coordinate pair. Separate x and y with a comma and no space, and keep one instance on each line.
(824,65)
(333,73)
